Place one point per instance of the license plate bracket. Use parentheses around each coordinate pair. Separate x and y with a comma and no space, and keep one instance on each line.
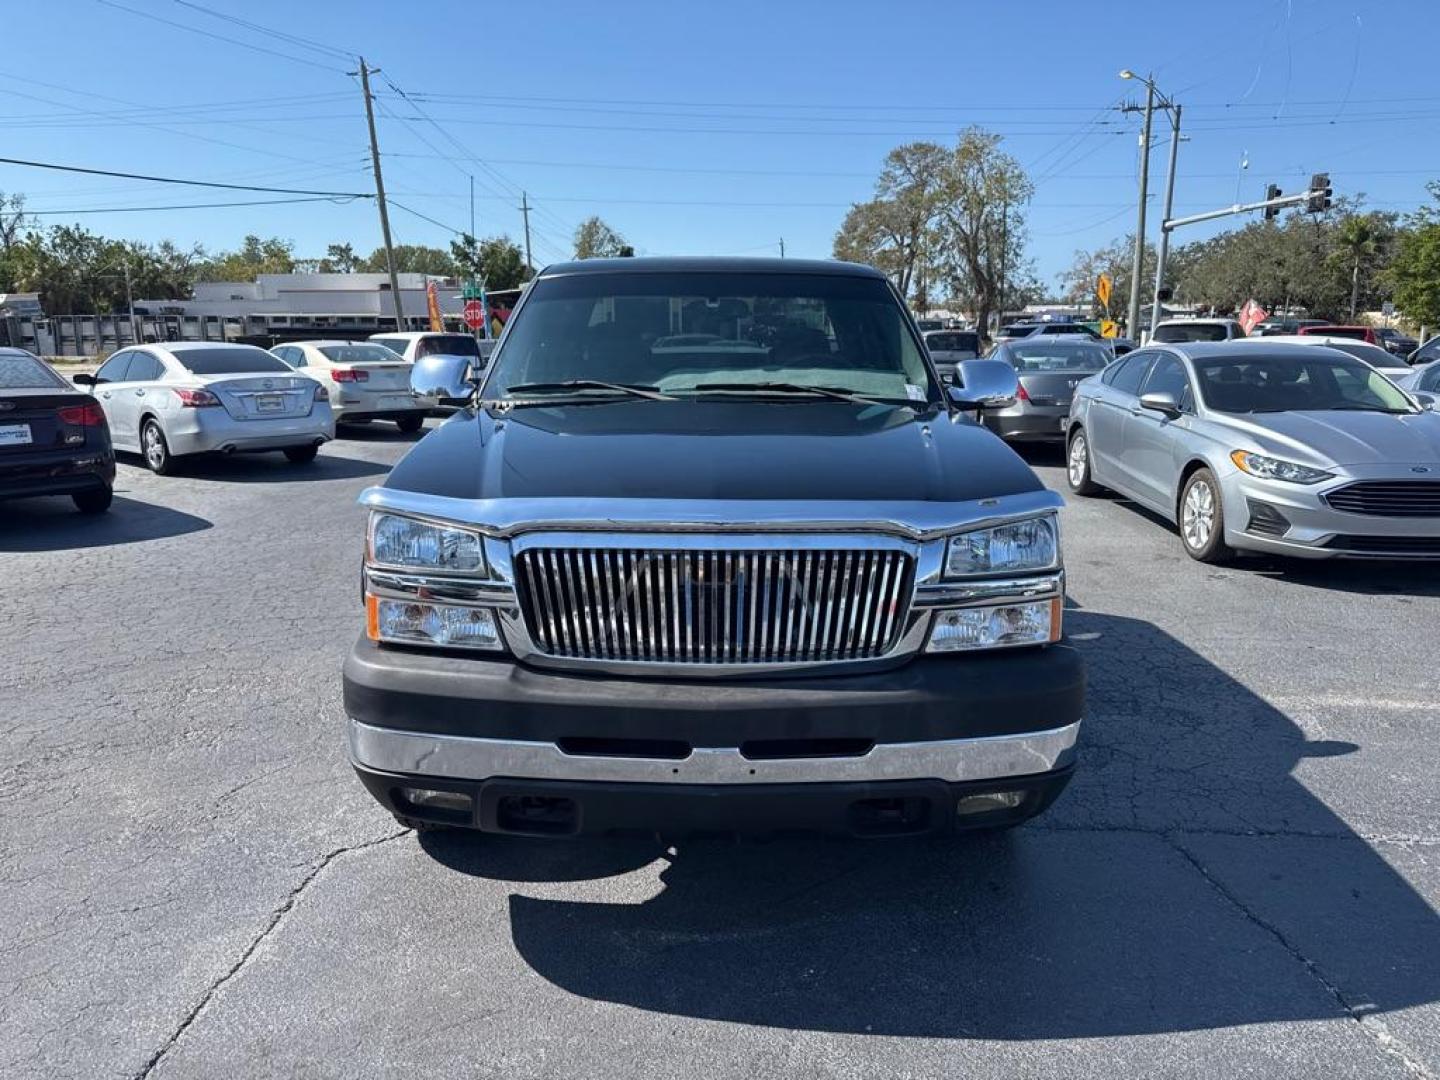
(16,435)
(269,402)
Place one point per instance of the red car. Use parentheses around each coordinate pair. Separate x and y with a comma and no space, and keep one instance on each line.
(1359,333)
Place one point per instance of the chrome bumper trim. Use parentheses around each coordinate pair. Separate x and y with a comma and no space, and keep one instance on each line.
(461,758)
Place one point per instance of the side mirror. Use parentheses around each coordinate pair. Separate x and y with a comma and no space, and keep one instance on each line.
(443,377)
(1162,401)
(84,380)
(1427,401)
(985,384)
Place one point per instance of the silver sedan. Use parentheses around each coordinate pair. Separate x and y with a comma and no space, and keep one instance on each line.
(1293,449)
(180,398)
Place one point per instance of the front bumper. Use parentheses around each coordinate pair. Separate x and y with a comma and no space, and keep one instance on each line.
(629,751)
(1313,529)
(57,472)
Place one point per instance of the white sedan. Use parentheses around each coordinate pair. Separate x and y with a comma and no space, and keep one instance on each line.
(171,400)
(366,381)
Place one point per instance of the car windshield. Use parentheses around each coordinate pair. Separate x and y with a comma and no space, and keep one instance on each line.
(19,371)
(360,354)
(1373,355)
(1015,330)
(1171,332)
(967,343)
(1274,383)
(1357,332)
(687,333)
(231,360)
(1057,356)
(447,345)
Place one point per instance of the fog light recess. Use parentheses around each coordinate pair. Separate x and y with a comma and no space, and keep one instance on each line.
(988,802)
(456,802)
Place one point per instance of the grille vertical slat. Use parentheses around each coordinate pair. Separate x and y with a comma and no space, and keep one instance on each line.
(714,606)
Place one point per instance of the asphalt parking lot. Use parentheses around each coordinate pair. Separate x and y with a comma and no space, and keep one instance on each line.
(1242,880)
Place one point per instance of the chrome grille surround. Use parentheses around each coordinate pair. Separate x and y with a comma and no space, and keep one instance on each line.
(686,604)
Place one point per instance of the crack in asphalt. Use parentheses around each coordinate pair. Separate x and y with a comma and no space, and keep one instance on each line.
(276,916)
(1369,1023)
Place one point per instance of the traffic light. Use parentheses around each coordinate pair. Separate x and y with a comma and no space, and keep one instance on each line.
(1320,192)
(1272,192)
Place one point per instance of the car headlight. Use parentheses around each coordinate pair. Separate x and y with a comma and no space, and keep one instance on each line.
(410,543)
(1268,468)
(1032,544)
(1034,623)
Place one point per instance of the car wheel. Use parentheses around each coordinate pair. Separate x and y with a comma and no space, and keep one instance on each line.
(95,501)
(408,425)
(1202,519)
(155,449)
(1077,465)
(300,455)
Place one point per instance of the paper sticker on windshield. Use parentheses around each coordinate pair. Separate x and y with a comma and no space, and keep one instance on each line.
(914,393)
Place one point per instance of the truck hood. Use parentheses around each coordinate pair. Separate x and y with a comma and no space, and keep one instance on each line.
(810,450)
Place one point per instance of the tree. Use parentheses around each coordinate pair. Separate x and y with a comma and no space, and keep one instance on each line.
(497,261)
(596,240)
(981,223)
(1115,259)
(12,219)
(339,259)
(255,257)
(413,259)
(895,231)
(1415,274)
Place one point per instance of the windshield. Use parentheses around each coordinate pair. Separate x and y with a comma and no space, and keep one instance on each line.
(1373,355)
(447,345)
(1057,356)
(961,342)
(682,333)
(1015,330)
(21,371)
(1285,384)
(231,360)
(360,354)
(1190,332)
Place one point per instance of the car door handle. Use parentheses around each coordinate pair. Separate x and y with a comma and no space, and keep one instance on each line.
(139,393)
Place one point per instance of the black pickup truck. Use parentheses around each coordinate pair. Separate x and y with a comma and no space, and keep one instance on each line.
(712,547)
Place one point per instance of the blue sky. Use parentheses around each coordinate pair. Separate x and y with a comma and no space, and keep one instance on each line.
(698,127)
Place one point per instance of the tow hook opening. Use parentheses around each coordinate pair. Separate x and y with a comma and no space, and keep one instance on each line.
(537,815)
(889,817)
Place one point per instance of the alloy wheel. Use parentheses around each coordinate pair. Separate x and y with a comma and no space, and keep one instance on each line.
(1078,463)
(1198,515)
(154,446)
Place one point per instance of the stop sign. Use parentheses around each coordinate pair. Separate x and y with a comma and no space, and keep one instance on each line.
(474,314)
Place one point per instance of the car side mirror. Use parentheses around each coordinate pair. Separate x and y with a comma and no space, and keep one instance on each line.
(1161,401)
(84,380)
(443,377)
(985,384)
(1427,401)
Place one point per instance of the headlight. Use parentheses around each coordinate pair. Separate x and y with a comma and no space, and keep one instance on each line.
(1032,544)
(413,544)
(996,627)
(408,622)
(1268,468)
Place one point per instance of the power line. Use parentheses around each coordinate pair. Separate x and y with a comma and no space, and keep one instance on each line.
(219,37)
(188,183)
(182,206)
(295,39)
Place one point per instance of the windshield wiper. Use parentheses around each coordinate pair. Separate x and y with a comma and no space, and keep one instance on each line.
(791,388)
(649,392)
(1351,406)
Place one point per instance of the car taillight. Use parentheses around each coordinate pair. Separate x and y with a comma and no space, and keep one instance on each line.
(195,399)
(1021,395)
(82,415)
(321,394)
(349,375)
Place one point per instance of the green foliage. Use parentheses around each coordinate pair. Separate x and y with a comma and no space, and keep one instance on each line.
(596,240)
(1415,274)
(339,259)
(413,259)
(496,261)
(1116,258)
(255,256)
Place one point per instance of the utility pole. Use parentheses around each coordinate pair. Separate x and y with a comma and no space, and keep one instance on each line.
(1137,262)
(472,209)
(380,195)
(782,247)
(525,210)
(1165,219)
(130,304)
(1004,252)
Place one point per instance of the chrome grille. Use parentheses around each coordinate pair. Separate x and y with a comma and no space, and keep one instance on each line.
(1388,498)
(714,606)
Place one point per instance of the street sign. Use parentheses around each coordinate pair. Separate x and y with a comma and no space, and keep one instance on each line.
(1387,309)
(474,314)
(1109,328)
(1102,291)
(472,290)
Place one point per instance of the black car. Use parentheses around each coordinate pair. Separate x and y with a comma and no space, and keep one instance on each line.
(53,437)
(710,546)
(1394,342)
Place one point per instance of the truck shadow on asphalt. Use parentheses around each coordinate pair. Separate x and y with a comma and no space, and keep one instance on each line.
(53,524)
(1186,881)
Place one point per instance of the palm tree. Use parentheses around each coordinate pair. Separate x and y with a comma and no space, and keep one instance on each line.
(1356,240)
